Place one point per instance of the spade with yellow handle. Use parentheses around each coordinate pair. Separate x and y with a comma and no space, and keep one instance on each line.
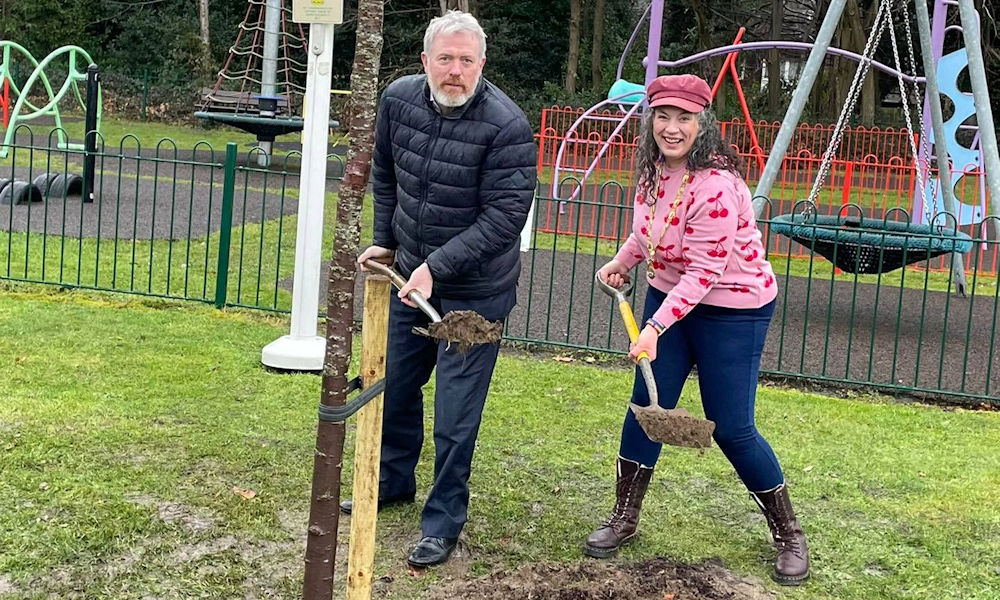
(632,328)
(672,426)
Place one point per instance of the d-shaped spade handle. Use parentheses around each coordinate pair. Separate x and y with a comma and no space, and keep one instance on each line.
(398,281)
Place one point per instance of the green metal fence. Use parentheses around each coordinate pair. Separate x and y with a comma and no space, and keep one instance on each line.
(190,224)
(212,227)
(902,331)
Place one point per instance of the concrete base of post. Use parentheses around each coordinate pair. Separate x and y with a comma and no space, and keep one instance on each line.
(294,353)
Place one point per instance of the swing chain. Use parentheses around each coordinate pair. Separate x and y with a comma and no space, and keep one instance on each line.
(882,17)
(903,97)
(925,144)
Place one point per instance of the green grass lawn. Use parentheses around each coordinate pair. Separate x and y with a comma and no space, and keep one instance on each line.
(126,424)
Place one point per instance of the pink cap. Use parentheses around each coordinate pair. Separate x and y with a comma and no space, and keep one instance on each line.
(687,92)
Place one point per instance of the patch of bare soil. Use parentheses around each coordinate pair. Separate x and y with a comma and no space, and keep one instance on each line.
(189,553)
(654,579)
(168,512)
(197,548)
(7,587)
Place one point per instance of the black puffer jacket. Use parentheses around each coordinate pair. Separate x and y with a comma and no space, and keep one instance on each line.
(453,190)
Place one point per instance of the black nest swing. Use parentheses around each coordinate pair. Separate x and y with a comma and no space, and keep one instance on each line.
(868,246)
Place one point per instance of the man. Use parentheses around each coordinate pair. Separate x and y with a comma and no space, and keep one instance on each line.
(453,180)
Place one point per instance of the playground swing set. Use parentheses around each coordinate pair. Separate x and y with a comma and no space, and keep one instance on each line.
(859,245)
(854,243)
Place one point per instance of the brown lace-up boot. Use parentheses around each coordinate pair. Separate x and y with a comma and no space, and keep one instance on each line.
(791,566)
(633,480)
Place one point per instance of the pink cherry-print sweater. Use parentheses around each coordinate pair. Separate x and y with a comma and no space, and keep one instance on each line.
(711,253)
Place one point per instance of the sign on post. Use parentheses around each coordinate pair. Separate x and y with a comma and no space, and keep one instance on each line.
(318,11)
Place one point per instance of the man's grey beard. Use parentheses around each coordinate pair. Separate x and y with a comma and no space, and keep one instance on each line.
(453,101)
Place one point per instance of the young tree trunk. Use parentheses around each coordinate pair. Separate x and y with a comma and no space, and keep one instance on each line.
(203,20)
(462,5)
(573,57)
(861,32)
(206,46)
(774,62)
(324,517)
(597,49)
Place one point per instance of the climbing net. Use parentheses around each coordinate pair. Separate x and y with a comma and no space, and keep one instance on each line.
(267,58)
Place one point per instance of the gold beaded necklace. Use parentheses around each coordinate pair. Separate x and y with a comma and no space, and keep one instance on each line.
(650,245)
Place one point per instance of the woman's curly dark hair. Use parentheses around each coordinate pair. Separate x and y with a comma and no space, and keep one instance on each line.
(709,150)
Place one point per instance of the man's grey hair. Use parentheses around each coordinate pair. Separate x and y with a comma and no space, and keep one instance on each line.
(454,21)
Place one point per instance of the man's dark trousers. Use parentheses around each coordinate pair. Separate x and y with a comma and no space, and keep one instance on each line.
(463,380)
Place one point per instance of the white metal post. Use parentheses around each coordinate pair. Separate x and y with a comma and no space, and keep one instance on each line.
(940,140)
(269,60)
(529,226)
(984,114)
(303,350)
(269,67)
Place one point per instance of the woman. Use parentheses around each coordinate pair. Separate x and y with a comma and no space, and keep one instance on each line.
(710,300)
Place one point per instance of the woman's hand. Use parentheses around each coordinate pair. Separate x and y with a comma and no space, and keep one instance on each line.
(648,338)
(613,273)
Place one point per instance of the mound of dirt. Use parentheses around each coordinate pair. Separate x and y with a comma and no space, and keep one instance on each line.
(654,579)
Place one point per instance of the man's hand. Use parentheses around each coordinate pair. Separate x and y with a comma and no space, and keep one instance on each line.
(422,281)
(613,273)
(646,342)
(376,253)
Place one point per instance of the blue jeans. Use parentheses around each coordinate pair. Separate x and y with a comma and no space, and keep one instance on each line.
(463,380)
(725,344)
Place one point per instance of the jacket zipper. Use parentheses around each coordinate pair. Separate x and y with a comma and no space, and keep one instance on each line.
(424,182)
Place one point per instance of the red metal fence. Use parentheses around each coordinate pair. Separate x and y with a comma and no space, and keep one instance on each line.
(873,169)
(857,142)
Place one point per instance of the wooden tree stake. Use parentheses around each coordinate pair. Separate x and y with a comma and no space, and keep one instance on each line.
(368,441)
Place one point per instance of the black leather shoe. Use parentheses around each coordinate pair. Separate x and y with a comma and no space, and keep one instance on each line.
(348,505)
(431,551)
